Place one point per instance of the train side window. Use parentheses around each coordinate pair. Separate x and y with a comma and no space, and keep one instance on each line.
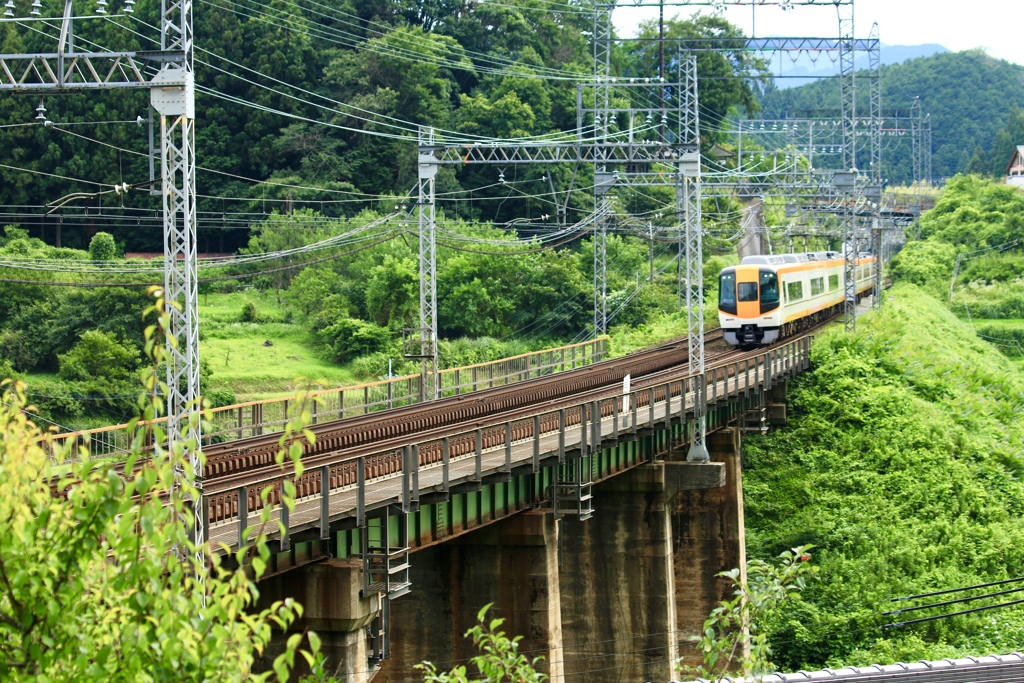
(833,283)
(727,293)
(769,291)
(817,286)
(747,291)
(795,290)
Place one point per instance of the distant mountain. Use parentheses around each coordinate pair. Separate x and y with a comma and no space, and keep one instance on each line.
(807,70)
(968,94)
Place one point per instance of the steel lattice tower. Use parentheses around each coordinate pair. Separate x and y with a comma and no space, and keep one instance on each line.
(172,97)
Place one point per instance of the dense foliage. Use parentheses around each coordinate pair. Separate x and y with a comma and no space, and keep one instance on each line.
(902,463)
(734,642)
(976,230)
(969,95)
(323,103)
(99,577)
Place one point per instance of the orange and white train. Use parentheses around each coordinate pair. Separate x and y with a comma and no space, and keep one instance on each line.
(766,298)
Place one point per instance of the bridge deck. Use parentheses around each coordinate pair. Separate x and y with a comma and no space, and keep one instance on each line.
(413,480)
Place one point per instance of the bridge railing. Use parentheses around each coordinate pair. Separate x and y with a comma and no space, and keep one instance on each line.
(497,446)
(255,418)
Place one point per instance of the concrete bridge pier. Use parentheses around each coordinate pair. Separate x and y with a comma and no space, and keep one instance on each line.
(619,599)
(707,538)
(776,403)
(511,563)
(329,592)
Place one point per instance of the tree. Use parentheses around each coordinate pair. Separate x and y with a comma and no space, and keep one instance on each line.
(102,247)
(979,163)
(99,577)
(499,662)
(100,356)
(734,640)
(725,76)
(350,338)
(1006,141)
(392,294)
(310,288)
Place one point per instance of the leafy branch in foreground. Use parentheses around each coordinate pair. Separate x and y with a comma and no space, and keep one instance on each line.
(733,641)
(100,579)
(499,661)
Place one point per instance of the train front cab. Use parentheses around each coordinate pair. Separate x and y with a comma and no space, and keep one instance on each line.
(749,305)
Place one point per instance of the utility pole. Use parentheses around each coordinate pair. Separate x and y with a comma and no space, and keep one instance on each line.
(172,96)
(426,348)
(603,180)
(688,203)
(847,85)
(844,183)
(650,251)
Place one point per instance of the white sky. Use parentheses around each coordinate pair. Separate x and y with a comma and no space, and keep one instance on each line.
(997,25)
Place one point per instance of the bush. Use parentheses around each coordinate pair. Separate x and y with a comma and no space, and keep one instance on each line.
(16,349)
(468,351)
(7,370)
(925,263)
(221,396)
(98,356)
(374,366)
(102,247)
(350,338)
(249,313)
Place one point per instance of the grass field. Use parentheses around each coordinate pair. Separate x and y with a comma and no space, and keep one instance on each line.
(259,359)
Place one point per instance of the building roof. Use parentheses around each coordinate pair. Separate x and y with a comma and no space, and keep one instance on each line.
(1019,152)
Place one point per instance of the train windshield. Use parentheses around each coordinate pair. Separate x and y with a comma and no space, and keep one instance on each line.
(727,293)
(769,291)
(747,291)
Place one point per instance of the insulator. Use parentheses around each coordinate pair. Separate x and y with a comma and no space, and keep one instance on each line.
(129,6)
(36,6)
(9,8)
(40,111)
(101,7)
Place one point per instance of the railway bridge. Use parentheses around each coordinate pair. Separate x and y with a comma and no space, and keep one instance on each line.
(555,487)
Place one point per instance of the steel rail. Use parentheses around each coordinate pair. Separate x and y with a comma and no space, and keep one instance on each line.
(257,451)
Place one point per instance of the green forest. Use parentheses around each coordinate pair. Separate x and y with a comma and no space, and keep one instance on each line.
(973,99)
(903,460)
(306,105)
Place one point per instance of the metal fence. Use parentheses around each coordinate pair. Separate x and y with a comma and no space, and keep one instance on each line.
(988,669)
(266,416)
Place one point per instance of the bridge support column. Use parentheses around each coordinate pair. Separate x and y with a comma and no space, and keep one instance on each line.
(707,538)
(513,564)
(618,595)
(776,399)
(329,592)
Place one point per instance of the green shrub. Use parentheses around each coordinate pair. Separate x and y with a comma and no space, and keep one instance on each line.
(468,351)
(249,314)
(17,350)
(7,371)
(350,338)
(925,263)
(374,366)
(221,396)
(98,356)
(102,247)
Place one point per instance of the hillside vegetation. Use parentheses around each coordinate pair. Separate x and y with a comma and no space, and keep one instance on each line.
(903,463)
(969,95)
(980,224)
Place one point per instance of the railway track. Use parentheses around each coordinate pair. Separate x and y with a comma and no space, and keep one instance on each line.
(459,426)
(378,440)
(251,453)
